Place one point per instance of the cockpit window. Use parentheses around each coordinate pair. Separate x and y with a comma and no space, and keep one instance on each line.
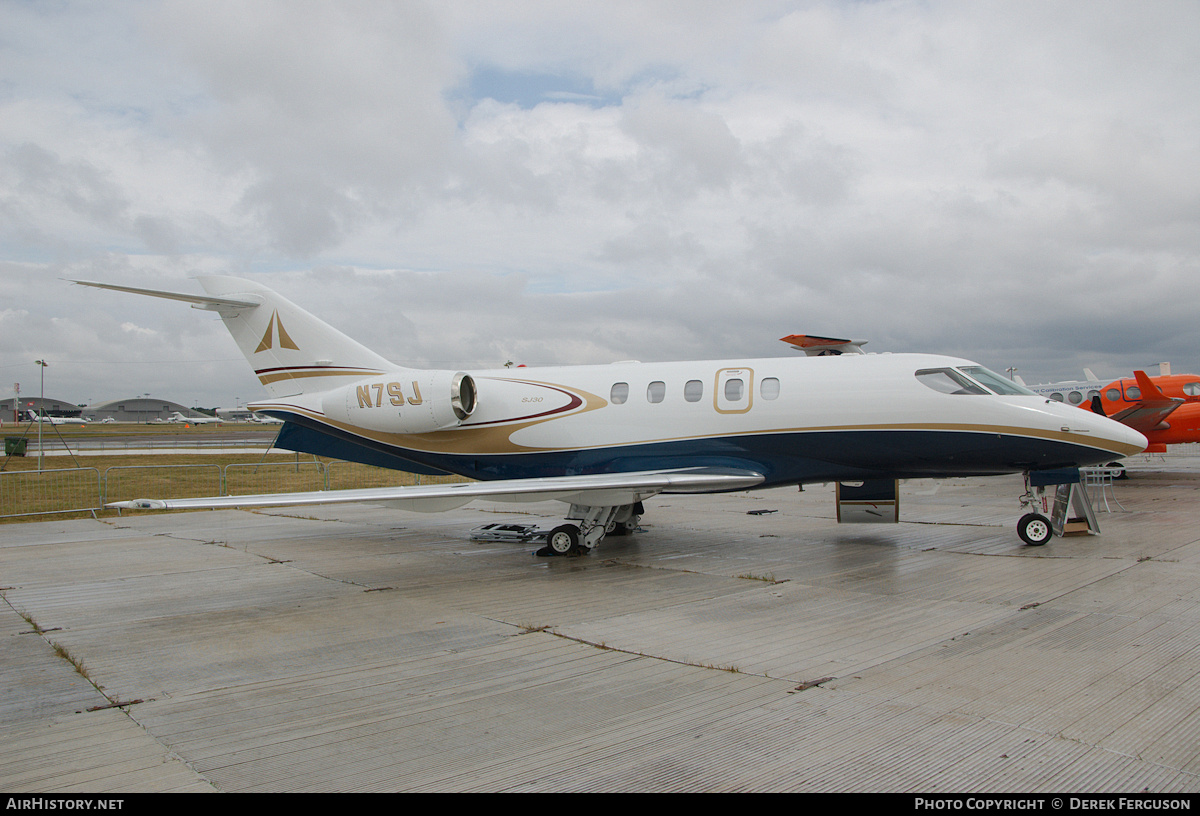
(997,383)
(948,381)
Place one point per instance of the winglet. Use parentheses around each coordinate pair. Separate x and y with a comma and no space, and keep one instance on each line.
(815,346)
(1150,391)
(1151,409)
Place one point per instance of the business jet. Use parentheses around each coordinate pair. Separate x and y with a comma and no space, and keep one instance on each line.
(176,416)
(265,420)
(603,438)
(55,420)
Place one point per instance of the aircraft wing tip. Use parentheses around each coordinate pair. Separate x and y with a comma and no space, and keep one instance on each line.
(138,504)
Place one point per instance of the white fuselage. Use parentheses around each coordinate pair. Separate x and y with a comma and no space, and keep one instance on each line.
(792,419)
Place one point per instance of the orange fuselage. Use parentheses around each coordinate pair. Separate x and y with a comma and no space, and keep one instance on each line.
(1181,425)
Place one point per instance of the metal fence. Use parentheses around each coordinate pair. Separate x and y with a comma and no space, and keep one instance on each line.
(31,493)
(128,482)
(37,493)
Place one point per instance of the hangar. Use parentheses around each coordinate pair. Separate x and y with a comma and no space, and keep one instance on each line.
(43,405)
(136,409)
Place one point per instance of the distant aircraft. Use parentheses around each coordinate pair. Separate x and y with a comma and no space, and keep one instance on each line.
(1165,409)
(53,420)
(246,415)
(176,416)
(1074,392)
(603,438)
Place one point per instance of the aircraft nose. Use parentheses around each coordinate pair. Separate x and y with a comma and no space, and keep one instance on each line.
(1135,438)
(1121,439)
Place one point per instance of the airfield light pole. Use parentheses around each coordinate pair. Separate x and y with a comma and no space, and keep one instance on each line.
(41,409)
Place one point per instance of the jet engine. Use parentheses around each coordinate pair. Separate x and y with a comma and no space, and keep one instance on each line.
(408,402)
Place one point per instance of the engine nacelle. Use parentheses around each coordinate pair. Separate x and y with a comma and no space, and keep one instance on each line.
(405,403)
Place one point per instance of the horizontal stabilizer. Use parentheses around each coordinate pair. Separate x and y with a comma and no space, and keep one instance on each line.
(200,301)
(605,489)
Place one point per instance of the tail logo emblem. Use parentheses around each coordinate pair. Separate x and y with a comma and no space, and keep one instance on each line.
(268,338)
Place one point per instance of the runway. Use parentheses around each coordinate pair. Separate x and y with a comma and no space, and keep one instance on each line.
(364,649)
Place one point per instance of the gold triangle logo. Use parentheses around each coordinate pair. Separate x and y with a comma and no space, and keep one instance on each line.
(285,341)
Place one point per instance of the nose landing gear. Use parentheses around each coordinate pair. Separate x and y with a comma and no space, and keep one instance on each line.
(1034,528)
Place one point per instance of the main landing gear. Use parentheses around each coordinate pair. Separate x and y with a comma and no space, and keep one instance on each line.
(1034,527)
(593,524)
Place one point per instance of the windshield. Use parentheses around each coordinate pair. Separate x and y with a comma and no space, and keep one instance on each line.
(997,383)
(948,381)
(953,381)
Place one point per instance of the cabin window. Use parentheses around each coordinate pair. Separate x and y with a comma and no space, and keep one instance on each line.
(947,381)
(769,388)
(619,393)
(1192,389)
(1075,398)
(1057,397)
(734,389)
(1112,394)
(656,391)
(693,391)
(1133,393)
(1093,394)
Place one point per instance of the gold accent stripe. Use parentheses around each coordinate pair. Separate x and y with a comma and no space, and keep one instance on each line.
(275,376)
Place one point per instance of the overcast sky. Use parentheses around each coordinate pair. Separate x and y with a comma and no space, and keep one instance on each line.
(460,184)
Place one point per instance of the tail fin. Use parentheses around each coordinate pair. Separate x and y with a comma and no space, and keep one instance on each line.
(290,350)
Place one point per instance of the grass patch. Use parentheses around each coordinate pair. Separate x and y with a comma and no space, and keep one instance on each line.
(76,490)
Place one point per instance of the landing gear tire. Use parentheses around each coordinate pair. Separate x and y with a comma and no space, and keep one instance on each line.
(1118,466)
(563,540)
(624,528)
(1034,529)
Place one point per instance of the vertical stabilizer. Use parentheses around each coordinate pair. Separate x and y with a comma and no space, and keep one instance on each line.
(290,350)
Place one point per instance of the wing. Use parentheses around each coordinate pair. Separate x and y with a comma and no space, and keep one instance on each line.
(1150,411)
(600,490)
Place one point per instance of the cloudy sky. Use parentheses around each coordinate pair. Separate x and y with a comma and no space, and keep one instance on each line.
(460,184)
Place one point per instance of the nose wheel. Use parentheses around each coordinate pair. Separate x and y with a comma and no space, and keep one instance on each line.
(1034,529)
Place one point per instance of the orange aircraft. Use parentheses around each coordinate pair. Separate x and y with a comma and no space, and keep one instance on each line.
(1166,409)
